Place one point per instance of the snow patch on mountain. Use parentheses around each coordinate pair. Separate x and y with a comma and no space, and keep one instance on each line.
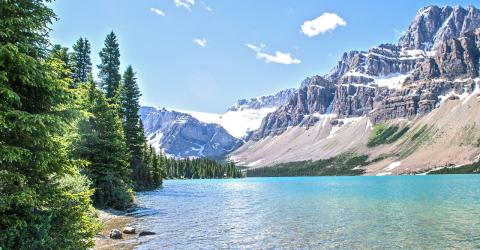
(237,123)
(392,81)
(270,101)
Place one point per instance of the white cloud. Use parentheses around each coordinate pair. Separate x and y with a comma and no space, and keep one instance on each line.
(157,11)
(185,3)
(278,57)
(320,25)
(201,42)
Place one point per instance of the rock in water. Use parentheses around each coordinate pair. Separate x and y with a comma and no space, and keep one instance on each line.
(129,230)
(115,234)
(146,233)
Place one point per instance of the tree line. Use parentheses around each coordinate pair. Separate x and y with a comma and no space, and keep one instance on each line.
(200,168)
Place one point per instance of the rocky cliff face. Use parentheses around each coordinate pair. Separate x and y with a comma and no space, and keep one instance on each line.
(383,60)
(449,73)
(181,135)
(315,97)
(437,58)
(434,25)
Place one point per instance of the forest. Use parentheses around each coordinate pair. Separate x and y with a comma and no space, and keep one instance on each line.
(200,168)
(70,142)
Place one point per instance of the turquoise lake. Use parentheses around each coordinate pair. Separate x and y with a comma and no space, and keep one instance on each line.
(411,212)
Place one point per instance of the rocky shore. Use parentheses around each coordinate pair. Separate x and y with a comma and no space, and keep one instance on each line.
(111,220)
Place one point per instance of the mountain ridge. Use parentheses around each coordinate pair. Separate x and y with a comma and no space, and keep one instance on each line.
(433,67)
(355,83)
(434,64)
(223,132)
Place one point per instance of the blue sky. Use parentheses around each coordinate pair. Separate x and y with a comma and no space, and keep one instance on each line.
(204,55)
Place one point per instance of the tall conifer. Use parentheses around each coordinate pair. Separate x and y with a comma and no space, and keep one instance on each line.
(134,134)
(130,106)
(109,68)
(102,144)
(44,202)
(81,61)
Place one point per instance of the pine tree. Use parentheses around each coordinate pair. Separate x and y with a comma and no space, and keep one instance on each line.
(130,106)
(60,53)
(134,137)
(109,68)
(102,144)
(44,202)
(81,61)
(158,170)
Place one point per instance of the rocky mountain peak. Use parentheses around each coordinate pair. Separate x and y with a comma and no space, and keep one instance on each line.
(433,25)
(315,80)
(315,96)
(437,56)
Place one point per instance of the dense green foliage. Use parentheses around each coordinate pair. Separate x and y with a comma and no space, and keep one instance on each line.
(473,168)
(144,162)
(151,174)
(383,134)
(130,106)
(81,62)
(60,53)
(200,168)
(344,164)
(44,201)
(62,140)
(109,68)
(102,144)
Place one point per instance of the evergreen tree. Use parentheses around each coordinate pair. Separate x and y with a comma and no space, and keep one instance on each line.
(60,53)
(102,144)
(130,106)
(158,169)
(44,202)
(134,135)
(109,68)
(81,61)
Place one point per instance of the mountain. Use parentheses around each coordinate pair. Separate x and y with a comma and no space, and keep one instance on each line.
(197,134)
(432,68)
(181,135)
(433,25)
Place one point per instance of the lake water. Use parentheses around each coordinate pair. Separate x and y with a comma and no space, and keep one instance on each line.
(413,212)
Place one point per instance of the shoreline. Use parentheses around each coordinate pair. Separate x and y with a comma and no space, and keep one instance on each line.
(114,219)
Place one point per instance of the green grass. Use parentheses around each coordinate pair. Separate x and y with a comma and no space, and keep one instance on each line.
(414,140)
(419,133)
(342,165)
(473,168)
(384,134)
